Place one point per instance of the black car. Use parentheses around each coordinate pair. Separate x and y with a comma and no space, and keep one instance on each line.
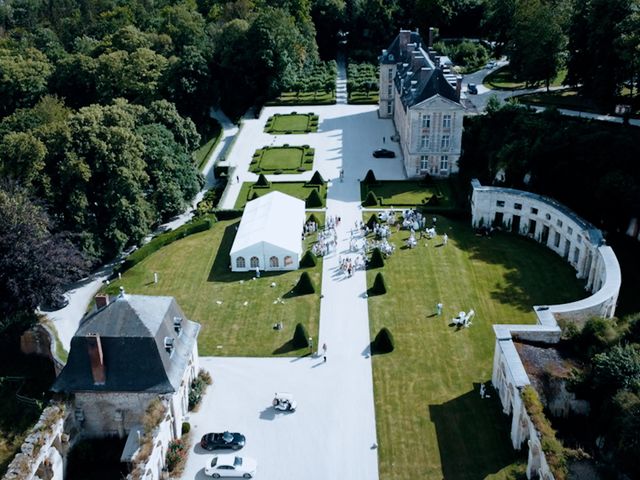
(472,88)
(384,153)
(222,441)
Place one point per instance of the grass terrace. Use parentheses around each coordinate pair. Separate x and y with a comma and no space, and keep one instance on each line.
(503,79)
(405,193)
(431,421)
(296,189)
(280,124)
(304,98)
(237,313)
(285,159)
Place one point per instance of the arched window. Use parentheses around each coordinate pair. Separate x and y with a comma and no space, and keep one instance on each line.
(288,260)
(240,263)
(255,263)
(273,262)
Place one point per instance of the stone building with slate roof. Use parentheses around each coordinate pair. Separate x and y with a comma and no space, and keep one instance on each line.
(423,99)
(126,353)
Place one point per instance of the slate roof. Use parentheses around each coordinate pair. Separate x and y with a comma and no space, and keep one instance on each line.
(417,76)
(132,330)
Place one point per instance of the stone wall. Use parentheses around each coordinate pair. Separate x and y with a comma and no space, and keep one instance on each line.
(582,245)
(42,454)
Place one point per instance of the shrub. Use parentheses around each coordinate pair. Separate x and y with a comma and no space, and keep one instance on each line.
(371,200)
(278,172)
(316,179)
(383,342)
(313,200)
(186,428)
(379,285)
(176,455)
(305,285)
(254,195)
(370,178)
(300,337)
(373,221)
(198,386)
(228,214)
(262,182)
(377,260)
(308,260)
(195,226)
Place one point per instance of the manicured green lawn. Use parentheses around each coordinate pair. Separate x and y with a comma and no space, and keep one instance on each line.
(570,99)
(431,422)
(304,98)
(292,123)
(195,270)
(409,193)
(502,79)
(295,189)
(282,160)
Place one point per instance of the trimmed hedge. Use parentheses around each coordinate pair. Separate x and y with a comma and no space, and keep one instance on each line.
(300,337)
(383,342)
(262,182)
(308,260)
(228,214)
(377,260)
(313,200)
(316,179)
(305,285)
(164,239)
(370,178)
(379,286)
(371,200)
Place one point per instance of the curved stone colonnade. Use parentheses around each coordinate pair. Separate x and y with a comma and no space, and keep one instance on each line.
(582,245)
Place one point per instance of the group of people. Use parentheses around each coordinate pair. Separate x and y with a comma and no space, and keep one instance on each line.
(327,242)
(349,265)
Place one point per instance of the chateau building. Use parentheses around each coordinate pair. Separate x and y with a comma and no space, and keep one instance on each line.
(423,99)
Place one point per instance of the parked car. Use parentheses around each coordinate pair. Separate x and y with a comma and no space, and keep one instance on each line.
(384,153)
(56,301)
(222,441)
(492,64)
(230,465)
(472,89)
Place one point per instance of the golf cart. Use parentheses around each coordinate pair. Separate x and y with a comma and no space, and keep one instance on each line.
(284,402)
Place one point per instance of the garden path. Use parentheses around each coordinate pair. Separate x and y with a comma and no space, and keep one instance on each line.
(341,82)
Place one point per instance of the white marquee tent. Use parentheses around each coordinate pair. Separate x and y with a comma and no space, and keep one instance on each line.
(270,234)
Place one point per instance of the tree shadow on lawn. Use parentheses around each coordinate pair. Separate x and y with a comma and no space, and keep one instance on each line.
(473,436)
(221,271)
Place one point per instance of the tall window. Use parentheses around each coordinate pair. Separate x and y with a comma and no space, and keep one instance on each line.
(389,89)
(389,107)
(424,162)
(288,260)
(240,262)
(424,142)
(426,121)
(444,163)
(390,74)
(254,262)
(444,144)
(446,121)
(273,262)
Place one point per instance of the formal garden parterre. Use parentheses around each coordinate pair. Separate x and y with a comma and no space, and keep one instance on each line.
(282,159)
(291,123)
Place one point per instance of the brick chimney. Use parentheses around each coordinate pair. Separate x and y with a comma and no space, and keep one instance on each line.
(102,300)
(458,86)
(94,347)
(432,32)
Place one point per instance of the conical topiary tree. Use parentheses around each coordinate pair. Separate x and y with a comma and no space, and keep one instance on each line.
(377,260)
(305,285)
(254,195)
(383,342)
(379,285)
(262,181)
(373,220)
(370,178)
(308,260)
(316,179)
(300,337)
(314,219)
(371,200)
(313,200)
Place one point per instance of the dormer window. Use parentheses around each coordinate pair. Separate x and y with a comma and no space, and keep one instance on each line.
(177,324)
(169,345)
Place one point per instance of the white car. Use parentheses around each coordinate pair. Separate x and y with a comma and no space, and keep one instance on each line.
(230,465)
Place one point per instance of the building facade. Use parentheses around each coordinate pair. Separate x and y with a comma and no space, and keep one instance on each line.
(423,99)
